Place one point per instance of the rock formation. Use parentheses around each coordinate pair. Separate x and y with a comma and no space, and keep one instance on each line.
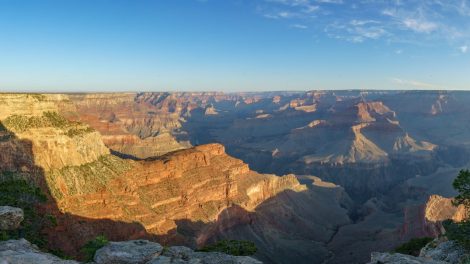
(21,251)
(146,252)
(10,217)
(125,161)
(439,251)
(191,196)
(127,252)
(426,219)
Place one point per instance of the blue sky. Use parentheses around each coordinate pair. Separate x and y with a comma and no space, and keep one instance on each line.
(239,45)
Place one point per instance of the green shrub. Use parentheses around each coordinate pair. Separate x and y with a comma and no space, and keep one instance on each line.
(19,193)
(38,97)
(73,132)
(459,232)
(232,247)
(92,246)
(462,185)
(413,246)
(52,219)
(22,123)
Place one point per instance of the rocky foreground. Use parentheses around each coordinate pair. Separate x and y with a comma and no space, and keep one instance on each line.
(439,251)
(127,252)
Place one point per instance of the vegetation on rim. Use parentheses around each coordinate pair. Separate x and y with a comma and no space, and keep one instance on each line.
(90,248)
(86,178)
(22,123)
(232,247)
(413,246)
(460,232)
(17,192)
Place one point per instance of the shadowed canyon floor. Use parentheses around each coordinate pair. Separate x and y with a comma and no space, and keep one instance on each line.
(145,164)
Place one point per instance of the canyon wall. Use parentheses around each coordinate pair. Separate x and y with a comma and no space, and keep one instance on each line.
(191,196)
(146,164)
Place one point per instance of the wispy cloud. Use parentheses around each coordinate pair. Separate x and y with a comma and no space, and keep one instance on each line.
(428,22)
(330,1)
(420,26)
(463,48)
(415,84)
(299,26)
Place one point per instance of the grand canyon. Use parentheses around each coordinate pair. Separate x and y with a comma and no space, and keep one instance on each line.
(309,177)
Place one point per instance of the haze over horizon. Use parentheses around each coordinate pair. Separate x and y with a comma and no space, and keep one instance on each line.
(240,45)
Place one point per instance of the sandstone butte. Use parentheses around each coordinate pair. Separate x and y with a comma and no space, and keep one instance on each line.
(185,197)
(425,220)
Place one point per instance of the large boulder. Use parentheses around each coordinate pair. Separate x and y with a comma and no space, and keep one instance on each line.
(397,258)
(10,217)
(184,255)
(23,252)
(128,252)
(146,252)
(447,251)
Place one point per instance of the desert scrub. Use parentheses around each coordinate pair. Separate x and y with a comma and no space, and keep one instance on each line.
(52,219)
(413,246)
(73,132)
(86,178)
(232,247)
(92,246)
(38,97)
(21,123)
(4,134)
(19,193)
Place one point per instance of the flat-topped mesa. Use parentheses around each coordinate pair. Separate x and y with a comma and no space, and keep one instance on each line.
(367,110)
(28,104)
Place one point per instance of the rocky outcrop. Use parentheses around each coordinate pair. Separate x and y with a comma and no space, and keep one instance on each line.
(184,255)
(397,258)
(426,219)
(439,208)
(135,251)
(443,250)
(23,252)
(10,217)
(126,252)
(438,251)
(146,252)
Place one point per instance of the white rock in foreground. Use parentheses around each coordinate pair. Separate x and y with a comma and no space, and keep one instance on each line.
(397,258)
(146,252)
(10,217)
(447,251)
(128,252)
(23,252)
